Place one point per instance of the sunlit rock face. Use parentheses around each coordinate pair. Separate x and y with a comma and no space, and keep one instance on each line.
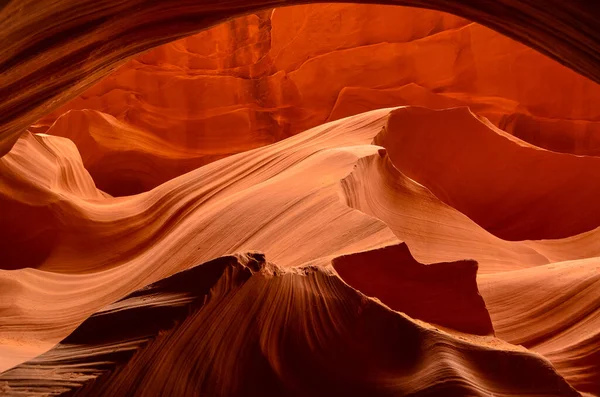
(315,200)
(264,77)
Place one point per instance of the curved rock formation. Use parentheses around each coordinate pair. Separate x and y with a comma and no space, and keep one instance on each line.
(55,54)
(434,231)
(442,293)
(256,80)
(553,310)
(481,171)
(423,185)
(287,332)
(124,160)
(248,201)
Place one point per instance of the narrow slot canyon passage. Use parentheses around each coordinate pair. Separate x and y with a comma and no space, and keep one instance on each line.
(309,200)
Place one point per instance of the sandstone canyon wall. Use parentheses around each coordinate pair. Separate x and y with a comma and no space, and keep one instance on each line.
(263,77)
(54,53)
(307,201)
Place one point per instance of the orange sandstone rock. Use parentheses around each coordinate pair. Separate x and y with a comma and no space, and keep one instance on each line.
(263,77)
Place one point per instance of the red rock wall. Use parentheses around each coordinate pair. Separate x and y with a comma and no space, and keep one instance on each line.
(263,77)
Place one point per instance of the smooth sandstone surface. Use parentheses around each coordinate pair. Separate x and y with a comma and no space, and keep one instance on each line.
(288,332)
(310,200)
(57,50)
(262,198)
(263,77)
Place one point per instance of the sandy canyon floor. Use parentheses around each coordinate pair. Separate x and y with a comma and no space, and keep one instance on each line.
(314,200)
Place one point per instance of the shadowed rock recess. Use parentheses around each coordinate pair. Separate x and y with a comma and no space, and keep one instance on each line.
(228,199)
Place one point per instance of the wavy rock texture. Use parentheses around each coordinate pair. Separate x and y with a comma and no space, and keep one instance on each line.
(287,332)
(57,50)
(554,310)
(421,186)
(490,190)
(261,79)
(249,201)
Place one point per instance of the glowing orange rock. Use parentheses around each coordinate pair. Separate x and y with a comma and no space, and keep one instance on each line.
(262,77)
(513,189)
(383,224)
